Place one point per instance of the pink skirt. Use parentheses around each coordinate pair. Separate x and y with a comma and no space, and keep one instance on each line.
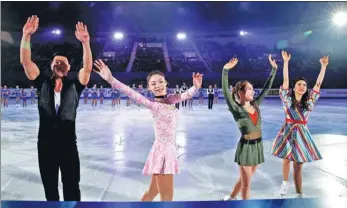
(162,159)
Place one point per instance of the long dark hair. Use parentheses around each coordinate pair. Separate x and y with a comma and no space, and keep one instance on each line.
(305,97)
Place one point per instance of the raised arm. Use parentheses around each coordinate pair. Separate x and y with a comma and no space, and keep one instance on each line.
(324,63)
(130,92)
(229,97)
(268,83)
(106,74)
(286,57)
(176,98)
(31,69)
(284,89)
(197,82)
(315,94)
(82,35)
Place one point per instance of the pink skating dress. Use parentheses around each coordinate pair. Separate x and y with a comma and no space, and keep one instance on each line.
(162,158)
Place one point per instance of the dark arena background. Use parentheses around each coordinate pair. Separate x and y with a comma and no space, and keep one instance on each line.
(176,38)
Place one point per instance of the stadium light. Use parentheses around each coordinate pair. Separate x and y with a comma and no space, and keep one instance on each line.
(56,32)
(181,36)
(243,33)
(118,36)
(340,18)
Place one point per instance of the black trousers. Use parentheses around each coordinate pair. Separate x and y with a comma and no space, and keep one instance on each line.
(184,103)
(210,101)
(177,105)
(53,157)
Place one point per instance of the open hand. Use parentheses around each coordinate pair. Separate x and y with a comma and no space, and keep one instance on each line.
(231,64)
(81,32)
(324,61)
(31,25)
(197,80)
(286,56)
(103,70)
(272,62)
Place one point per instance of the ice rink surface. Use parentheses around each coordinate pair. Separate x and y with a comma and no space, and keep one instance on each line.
(113,146)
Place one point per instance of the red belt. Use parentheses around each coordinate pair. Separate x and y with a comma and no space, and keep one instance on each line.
(288,120)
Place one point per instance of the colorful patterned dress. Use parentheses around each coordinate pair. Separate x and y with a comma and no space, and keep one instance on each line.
(294,141)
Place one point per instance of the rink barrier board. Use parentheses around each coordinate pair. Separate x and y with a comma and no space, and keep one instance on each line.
(326,202)
(325,93)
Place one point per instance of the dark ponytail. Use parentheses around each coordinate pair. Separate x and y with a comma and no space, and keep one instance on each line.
(240,86)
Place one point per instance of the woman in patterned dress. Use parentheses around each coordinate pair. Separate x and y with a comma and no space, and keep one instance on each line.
(32,94)
(101,95)
(216,94)
(161,163)
(294,141)
(24,98)
(201,96)
(94,92)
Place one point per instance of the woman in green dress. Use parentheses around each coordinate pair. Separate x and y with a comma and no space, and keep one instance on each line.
(245,110)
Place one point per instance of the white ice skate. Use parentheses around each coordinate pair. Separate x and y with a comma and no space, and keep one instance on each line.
(227,198)
(284,188)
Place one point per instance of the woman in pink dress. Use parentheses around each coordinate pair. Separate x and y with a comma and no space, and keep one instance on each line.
(162,163)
